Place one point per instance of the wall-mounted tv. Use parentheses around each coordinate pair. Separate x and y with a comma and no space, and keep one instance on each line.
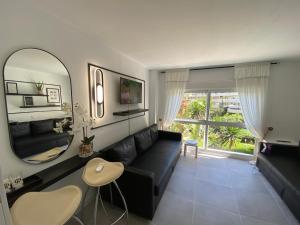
(130,91)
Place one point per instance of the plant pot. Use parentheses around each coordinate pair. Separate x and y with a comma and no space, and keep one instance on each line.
(40,92)
(85,150)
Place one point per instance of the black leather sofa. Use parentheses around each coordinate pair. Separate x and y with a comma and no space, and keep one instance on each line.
(30,138)
(281,166)
(149,156)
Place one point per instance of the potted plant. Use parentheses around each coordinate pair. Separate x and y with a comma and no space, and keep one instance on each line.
(39,86)
(84,123)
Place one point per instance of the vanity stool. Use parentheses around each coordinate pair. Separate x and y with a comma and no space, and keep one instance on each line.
(47,208)
(99,172)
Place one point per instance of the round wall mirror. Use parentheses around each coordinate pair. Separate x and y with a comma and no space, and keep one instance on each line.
(38,95)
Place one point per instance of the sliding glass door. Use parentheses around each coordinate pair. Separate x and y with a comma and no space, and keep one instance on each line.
(215,120)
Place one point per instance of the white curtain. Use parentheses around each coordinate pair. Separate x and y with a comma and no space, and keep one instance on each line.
(175,83)
(252,83)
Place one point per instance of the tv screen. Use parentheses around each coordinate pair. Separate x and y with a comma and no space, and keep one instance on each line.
(131,91)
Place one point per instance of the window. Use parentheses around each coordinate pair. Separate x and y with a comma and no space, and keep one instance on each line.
(215,120)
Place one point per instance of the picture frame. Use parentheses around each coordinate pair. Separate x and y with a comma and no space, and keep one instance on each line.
(53,95)
(12,88)
(28,100)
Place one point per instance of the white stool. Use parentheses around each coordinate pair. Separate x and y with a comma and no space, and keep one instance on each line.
(193,143)
(110,172)
(47,208)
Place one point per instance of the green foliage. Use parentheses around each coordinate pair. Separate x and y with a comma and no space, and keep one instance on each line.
(196,109)
(228,117)
(39,86)
(220,137)
(88,140)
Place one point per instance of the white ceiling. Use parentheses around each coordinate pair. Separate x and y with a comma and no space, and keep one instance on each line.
(183,33)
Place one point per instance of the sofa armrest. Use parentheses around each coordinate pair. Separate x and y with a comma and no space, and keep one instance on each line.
(169,135)
(138,188)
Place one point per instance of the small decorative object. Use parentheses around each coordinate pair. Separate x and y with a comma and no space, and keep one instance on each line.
(85,122)
(64,124)
(265,146)
(17,182)
(7,185)
(67,109)
(28,101)
(40,87)
(53,95)
(160,123)
(12,88)
(61,125)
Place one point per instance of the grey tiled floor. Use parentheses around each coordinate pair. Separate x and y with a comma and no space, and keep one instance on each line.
(213,191)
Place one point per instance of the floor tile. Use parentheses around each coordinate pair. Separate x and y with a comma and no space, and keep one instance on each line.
(210,190)
(205,215)
(240,166)
(253,221)
(215,195)
(212,161)
(182,186)
(252,183)
(174,210)
(214,175)
(260,206)
(186,170)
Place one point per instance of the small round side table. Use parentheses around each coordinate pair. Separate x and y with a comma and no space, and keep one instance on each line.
(193,143)
(109,173)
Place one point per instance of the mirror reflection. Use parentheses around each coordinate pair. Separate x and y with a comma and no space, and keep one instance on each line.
(39,105)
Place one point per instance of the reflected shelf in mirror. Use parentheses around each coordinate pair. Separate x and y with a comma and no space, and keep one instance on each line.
(39,106)
(36,95)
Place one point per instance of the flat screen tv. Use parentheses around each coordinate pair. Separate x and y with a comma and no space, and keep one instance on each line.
(130,91)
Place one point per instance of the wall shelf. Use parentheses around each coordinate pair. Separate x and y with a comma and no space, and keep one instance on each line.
(130,112)
(39,106)
(26,95)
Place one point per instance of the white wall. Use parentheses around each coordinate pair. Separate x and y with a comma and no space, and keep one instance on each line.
(283,108)
(24,25)
(153,92)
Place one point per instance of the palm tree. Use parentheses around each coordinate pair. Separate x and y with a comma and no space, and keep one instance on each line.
(196,109)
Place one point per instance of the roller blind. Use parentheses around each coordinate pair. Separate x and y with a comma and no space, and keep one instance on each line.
(211,79)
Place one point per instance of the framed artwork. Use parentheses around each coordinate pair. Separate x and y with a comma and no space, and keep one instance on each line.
(28,101)
(53,95)
(12,88)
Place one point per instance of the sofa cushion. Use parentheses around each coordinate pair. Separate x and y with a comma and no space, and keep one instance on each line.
(20,129)
(159,160)
(143,140)
(41,127)
(154,133)
(288,167)
(28,146)
(292,199)
(124,151)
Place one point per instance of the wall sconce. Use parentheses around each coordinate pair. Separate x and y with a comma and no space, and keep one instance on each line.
(98,93)
(99,90)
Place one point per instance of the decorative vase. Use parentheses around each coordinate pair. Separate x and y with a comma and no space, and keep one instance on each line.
(85,150)
(40,92)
